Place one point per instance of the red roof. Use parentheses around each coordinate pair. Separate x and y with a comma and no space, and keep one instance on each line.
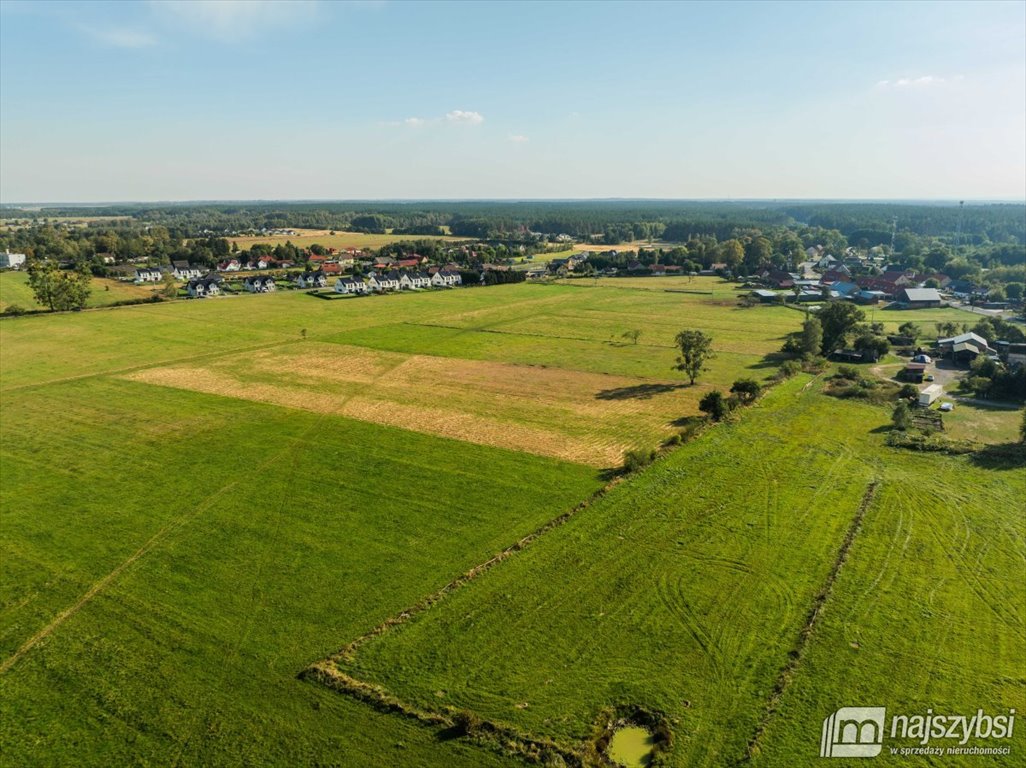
(331,269)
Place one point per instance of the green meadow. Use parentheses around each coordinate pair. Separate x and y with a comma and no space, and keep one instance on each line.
(202,499)
(15,291)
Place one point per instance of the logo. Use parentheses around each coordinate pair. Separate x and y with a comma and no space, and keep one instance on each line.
(853,732)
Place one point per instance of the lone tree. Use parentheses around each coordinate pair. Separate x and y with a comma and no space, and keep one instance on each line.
(633,335)
(695,349)
(910,330)
(58,289)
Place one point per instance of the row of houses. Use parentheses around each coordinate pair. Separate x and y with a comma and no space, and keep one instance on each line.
(907,288)
(180,270)
(212,284)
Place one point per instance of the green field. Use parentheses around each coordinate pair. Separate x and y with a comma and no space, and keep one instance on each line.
(202,499)
(304,238)
(14,290)
(685,591)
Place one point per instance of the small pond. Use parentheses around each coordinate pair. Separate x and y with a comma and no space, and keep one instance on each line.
(631,746)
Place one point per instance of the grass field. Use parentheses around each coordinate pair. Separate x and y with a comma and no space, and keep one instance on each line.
(201,499)
(14,289)
(686,591)
(304,238)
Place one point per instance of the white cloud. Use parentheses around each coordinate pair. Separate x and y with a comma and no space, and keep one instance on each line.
(459,116)
(915,82)
(518,138)
(120,37)
(414,121)
(235,20)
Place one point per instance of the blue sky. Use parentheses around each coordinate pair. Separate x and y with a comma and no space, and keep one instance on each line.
(323,100)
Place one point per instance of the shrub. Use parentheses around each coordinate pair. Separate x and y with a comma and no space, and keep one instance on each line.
(14,310)
(636,459)
(788,369)
(715,405)
(849,372)
(902,416)
(746,390)
(908,392)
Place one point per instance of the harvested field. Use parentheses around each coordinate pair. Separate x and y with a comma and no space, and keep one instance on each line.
(587,418)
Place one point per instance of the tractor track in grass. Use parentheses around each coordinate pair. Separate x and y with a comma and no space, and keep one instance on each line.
(795,656)
(168,528)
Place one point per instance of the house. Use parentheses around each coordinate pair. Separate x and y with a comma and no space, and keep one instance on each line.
(232,265)
(383,262)
(350,285)
(385,281)
(778,278)
(405,283)
(931,393)
(208,285)
(148,275)
(183,270)
(534,273)
(261,262)
(658,270)
(447,278)
(259,284)
(331,269)
(898,278)
(122,271)
(420,280)
(10,260)
(316,279)
(407,263)
(918,298)
(840,274)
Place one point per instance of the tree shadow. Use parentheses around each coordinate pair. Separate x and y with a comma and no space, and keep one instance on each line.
(638,391)
(1001,456)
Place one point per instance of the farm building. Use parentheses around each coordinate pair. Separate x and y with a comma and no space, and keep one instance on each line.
(765,296)
(930,394)
(918,298)
(965,347)
(914,372)
(10,260)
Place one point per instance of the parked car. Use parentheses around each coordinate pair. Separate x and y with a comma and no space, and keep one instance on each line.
(929,377)
(947,407)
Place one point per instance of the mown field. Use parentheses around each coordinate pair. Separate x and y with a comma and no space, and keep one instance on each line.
(304,238)
(201,499)
(14,289)
(686,590)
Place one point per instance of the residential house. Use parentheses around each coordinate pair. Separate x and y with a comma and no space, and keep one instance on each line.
(447,278)
(420,280)
(350,285)
(208,285)
(259,284)
(315,279)
(183,270)
(231,265)
(384,281)
(148,275)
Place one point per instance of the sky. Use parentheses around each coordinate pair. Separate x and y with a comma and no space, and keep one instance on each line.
(311,99)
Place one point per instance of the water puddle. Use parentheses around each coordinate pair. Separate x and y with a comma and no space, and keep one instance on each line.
(631,746)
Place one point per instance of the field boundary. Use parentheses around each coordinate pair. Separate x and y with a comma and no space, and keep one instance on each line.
(786,676)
